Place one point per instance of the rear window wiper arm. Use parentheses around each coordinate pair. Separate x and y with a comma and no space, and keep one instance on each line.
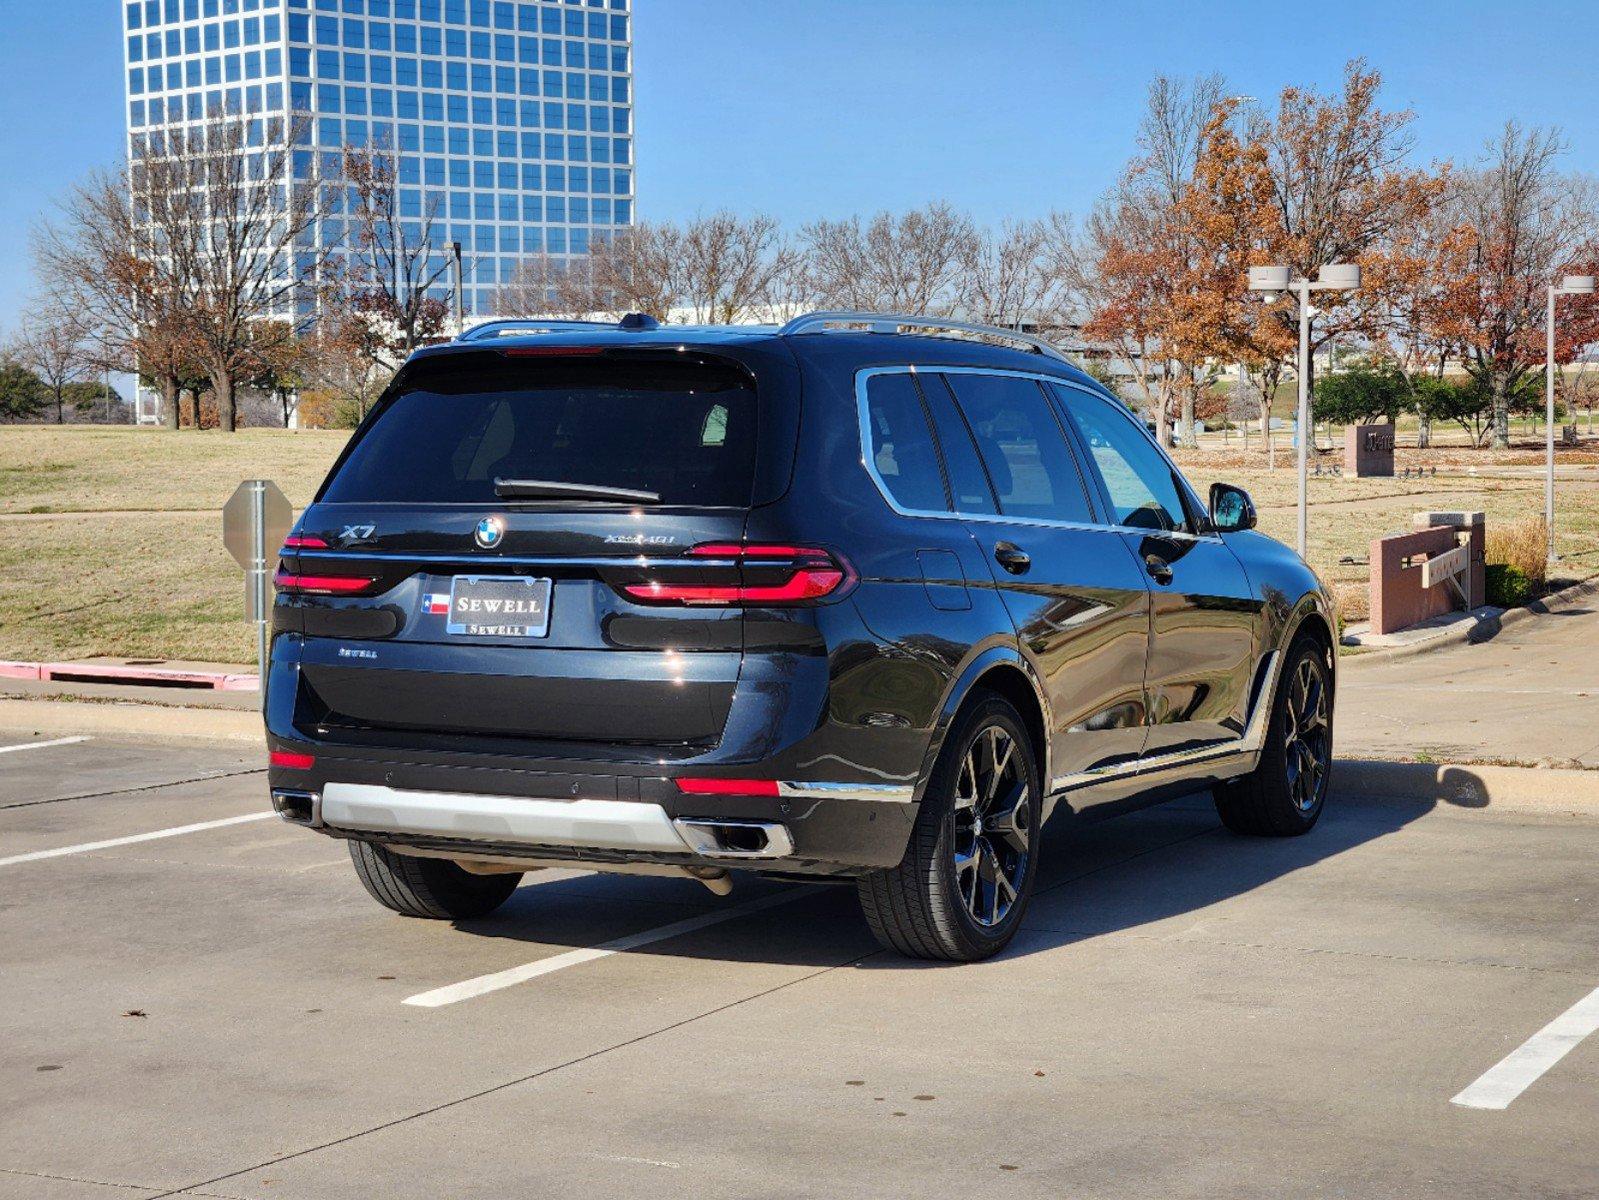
(552,489)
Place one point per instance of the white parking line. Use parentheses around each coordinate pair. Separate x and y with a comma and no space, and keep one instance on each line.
(483,984)
(66,741)
(175,831)
(1521,1068)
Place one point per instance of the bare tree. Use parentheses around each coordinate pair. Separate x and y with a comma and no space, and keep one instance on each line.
(912,263)
(639,269)
(1132,268)
(731,267)
(392,261)
(1343,188)
(97,261)
(1011,278)
(545,285)
(719,268)
(1528,225)
(54,344)
(220,213)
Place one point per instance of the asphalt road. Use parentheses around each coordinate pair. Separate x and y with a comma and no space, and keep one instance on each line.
(222,1012)
(1528,694)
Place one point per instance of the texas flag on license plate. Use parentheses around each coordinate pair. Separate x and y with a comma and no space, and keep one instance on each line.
(436,602)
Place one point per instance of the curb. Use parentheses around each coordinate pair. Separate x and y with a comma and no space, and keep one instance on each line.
(1480,631)
(158,722)
(1507,789)
(123,673)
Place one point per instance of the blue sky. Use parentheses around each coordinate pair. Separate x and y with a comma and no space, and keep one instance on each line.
(806,108)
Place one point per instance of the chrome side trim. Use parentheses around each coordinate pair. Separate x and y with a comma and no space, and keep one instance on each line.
(891,793)
(821,322)
(607,824)
(1249,742)
(700,835)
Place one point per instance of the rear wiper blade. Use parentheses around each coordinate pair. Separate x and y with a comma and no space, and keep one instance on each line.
(552,489)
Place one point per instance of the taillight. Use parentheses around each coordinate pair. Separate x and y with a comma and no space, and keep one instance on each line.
(288,758)
(302,541)
(768,574)
(322,585)
(695,786)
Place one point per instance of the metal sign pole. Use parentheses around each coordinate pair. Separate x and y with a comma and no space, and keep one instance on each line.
(254,522)
(258,582)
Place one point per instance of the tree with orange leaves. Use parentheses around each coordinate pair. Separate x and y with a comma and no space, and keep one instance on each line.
(1230,213)
(1133,269)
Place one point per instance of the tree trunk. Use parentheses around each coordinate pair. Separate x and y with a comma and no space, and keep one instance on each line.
(171,398)
(61,414)
(1186,431)
(194,407)
(227,402)
(1500,384)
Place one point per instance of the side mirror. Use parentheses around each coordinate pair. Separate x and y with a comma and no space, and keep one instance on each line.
(1231,509)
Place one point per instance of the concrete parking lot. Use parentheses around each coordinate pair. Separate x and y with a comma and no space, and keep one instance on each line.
(219,1010)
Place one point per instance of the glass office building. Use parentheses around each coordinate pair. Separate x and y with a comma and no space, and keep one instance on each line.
(512,121)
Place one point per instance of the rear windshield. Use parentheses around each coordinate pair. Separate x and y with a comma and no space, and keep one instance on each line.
(683,431)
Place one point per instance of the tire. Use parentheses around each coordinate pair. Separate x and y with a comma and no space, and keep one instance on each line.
(928,906)
(1285,794)
(428,887)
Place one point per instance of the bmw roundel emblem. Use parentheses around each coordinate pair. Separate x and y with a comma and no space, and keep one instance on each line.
(489,532)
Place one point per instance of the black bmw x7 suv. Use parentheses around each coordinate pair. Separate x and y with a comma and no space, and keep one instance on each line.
(865,597)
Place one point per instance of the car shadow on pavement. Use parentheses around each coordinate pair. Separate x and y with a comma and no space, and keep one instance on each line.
(1125,873)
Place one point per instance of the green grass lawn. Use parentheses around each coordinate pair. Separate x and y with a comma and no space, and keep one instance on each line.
(110,542)
(124,556)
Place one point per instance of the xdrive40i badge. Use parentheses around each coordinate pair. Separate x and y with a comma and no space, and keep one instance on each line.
(639,539)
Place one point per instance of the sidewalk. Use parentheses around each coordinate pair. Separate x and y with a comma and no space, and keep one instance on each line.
(1528,696)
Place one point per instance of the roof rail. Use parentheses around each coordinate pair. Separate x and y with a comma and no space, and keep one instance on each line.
(513,325)
(821,322)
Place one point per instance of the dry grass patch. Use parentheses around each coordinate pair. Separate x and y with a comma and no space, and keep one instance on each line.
(96,469)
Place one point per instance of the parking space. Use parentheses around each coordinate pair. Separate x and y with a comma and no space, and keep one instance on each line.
(224,1012)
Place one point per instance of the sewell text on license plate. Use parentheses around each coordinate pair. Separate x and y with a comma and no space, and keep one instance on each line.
(495,606)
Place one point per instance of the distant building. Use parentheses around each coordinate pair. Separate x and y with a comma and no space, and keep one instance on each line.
(512,121)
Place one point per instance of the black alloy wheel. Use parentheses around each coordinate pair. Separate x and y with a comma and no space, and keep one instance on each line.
(991,826)
(961,890)
(1307,735)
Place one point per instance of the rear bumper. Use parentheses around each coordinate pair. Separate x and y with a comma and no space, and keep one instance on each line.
(624,826)
(821,829)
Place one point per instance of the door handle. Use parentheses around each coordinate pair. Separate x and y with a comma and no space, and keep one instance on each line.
(1159,569)
(1012,557)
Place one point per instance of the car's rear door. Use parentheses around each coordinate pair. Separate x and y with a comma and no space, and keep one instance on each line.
(1079,601)
(503,599)
(1204,618)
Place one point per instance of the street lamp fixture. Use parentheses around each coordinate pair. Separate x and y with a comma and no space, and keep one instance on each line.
(1275,281)
(1571,285)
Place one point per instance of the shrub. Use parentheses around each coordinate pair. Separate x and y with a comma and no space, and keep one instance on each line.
(1523,545)
(1506,586)
(1361,394)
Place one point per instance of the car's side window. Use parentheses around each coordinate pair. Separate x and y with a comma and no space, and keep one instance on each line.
(968,483)
(1143,492)
(902,449)
(1023,446)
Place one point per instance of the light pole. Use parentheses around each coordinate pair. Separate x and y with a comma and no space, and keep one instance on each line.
(460,300)
(1571,285)
(1275,281)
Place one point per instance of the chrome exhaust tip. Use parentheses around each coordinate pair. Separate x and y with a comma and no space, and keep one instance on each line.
(712,838)
(298,808)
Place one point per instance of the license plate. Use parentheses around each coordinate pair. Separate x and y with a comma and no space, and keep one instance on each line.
(498,606)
